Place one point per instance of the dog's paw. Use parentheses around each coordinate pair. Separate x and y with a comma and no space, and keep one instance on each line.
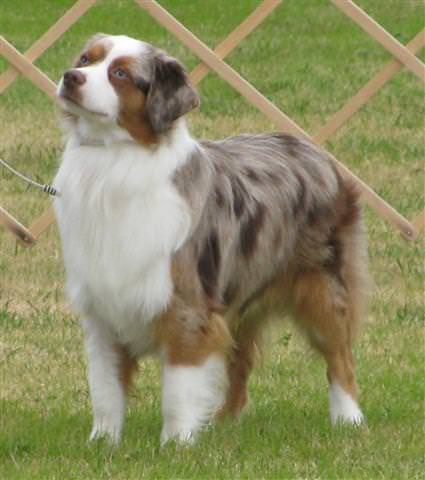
(104,430)
(183,437)
(343,408)
(353,418)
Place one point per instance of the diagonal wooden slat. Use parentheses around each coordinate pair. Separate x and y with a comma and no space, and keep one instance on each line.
(377,32)
(366,93)
(377,203)
(29,70)
(244,29)
(47,39)
(39,79)
(220,67)
(43,222)
(268,108)
(419,221)
(22,233)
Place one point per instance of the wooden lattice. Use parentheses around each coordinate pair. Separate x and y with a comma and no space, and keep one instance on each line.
(404,56)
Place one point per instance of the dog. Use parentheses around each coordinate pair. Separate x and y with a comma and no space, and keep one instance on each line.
(184,249)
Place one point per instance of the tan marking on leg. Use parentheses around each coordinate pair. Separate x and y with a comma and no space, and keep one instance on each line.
(323,308)
(247,346)
(341,370)
(189,335)
(239,366)
(127,367)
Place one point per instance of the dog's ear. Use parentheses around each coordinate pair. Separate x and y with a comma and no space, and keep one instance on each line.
(170,94)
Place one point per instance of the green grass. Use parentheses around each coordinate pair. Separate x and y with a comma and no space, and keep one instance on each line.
(308,59)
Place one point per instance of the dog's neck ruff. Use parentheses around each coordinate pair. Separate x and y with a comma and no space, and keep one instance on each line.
(110,143)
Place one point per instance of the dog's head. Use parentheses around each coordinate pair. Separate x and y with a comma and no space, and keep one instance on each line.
(119,82)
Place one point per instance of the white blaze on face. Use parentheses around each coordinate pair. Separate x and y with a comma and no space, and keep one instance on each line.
(97,93)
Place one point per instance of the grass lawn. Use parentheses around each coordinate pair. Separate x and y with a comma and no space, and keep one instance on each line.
(308,59)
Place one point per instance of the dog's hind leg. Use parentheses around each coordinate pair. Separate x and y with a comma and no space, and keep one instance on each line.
(327,310)
(239,365)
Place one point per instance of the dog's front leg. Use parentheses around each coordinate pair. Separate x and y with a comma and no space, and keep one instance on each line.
(106,388)
(194,376)
(191,395)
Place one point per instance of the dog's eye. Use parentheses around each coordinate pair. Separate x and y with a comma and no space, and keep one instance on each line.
(120,73)
(84,60)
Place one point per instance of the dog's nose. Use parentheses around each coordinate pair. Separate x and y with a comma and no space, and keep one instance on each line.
(73,78)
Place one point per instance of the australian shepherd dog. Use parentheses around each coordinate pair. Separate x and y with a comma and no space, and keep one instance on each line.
(184,248)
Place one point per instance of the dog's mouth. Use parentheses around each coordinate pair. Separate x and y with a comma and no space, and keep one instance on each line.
(76,106)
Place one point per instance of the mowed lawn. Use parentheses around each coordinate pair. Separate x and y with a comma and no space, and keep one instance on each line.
(308,59)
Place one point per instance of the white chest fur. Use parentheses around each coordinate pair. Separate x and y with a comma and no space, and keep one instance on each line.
(120,220)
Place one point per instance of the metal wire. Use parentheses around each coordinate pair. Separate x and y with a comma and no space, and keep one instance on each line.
(46,188)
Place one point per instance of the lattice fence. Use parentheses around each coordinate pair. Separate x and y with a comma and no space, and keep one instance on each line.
(403,57)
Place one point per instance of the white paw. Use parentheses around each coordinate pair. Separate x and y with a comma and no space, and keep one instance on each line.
(343,408)
(355,418)
(106,429)
(182,436)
